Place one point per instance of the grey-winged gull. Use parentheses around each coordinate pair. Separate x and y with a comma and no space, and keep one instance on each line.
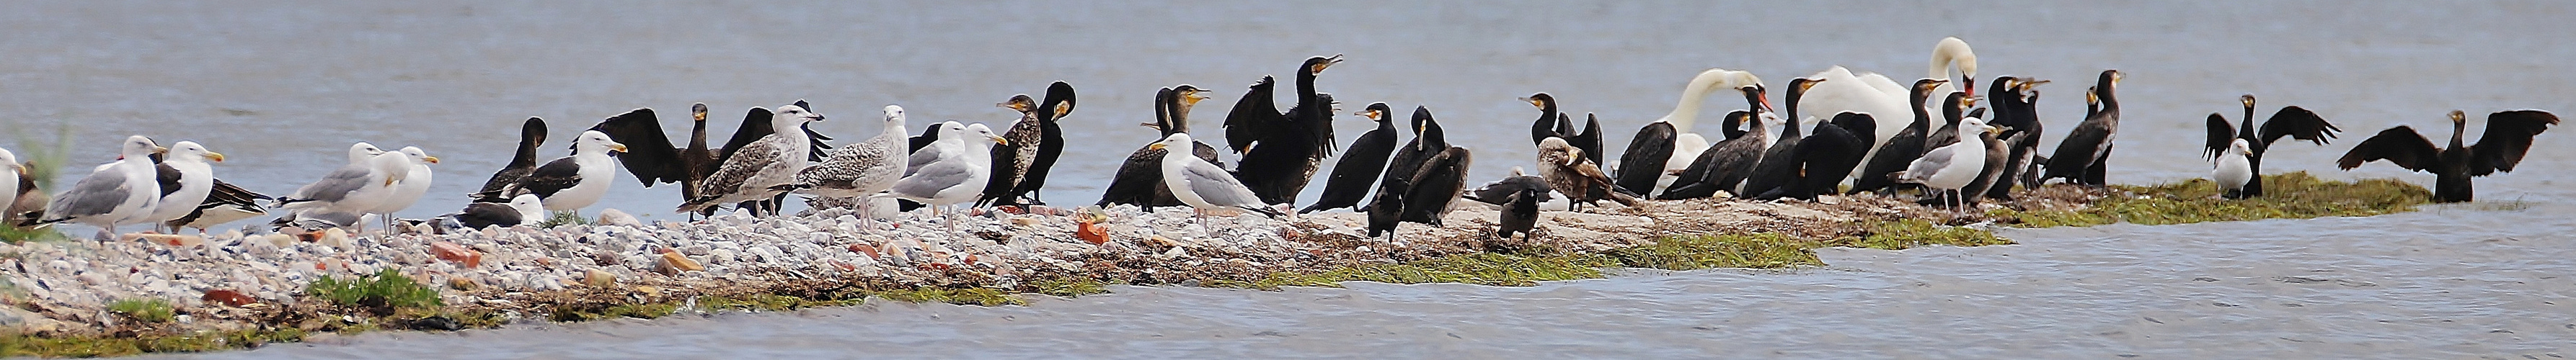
(753,172)
(956,177)
(185,179)
(121,192)
(353,188)
(414,184)
(1203,185)
(1953,166)
(573,182)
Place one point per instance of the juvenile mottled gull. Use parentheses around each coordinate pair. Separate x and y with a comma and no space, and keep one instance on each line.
(756,170)
(573,182)
(353,188)
(185,179)
(1203,185)
(121,192)
(863,169)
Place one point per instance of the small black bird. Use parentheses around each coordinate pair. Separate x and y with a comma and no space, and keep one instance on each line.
(2507,138)
(1520,213)
(1361,164)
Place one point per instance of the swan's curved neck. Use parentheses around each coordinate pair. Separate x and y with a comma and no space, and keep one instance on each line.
(1953,53)
(1686,113)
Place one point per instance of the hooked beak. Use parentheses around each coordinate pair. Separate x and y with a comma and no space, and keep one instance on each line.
(998,140)
(216,156)
(430,159)
(160,150)
(614,147)
(1328,62)
(1155,146)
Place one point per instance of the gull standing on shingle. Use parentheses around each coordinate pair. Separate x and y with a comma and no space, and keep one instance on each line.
(185,180)
(864,169)
(121,192)
(1204,186)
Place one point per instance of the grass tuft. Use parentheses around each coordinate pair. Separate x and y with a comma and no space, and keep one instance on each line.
(2295,195)
(144,310)
(561,218)
(383,292)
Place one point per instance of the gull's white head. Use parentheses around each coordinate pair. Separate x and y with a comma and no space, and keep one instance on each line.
(360,152)
(417,156)
(894,116)
(986,133)
(190,151)
(595,142)
(530,208)
(2241,148)
(138,147)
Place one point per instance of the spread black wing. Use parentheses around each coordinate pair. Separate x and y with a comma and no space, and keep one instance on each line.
(2399,145)
(1255,117)
(2221,133)
(2299,123)
(649,154)
(2507,138)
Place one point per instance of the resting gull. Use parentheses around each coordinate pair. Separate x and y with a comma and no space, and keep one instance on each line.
(572,182)
(754,170)
(185,179)
(10,171)
(1203,185)
(121,192)
(415,183)
(957,176)
(521,209)
(354,188)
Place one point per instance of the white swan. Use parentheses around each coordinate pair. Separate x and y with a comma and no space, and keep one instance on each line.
(1881,98)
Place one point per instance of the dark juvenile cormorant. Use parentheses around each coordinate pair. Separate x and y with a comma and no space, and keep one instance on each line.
(1723,165)
(1385,210)
(2293,122)
(1051,147)
(2507,138)
(1281,149)
(1571,174)
(2080,157)
(1011,161)
(531,133)
(1520,213)
(1139,181)
(1777,166)
(1361,164)
(1901,149)
(1436,185)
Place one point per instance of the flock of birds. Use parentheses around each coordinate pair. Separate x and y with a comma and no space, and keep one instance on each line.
(1859,132)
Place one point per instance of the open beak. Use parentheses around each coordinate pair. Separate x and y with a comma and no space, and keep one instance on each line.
(216,156)
(1328,62)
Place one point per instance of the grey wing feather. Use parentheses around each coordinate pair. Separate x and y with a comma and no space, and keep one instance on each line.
(1218,187)
(1932,161)
(928,182)
(337,185)
(745,163)
(99,193)
(924,157)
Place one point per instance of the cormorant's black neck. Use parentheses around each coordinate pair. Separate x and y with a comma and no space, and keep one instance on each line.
(1163,107)
(1797,89)
(1058,93)
(1922,117)
(2457,128)
(1950,109)
(2108,92)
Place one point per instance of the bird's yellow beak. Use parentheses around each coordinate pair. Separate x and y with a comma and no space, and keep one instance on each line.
(998,140)
(1155,146)
(617,147)
(430,159)
(216,156)
(160,150)
(1991,130)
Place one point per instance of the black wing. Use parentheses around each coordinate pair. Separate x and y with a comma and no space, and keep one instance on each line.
(649,154)
(225,193)
(755,124)
(2399,145)
(531,134)
(1254,118)
(1590,139)
(2508,137)
(1644,160)
(555,176)
(815,139)
(169,178)
(2221,133)
(2299,123)
(928,135)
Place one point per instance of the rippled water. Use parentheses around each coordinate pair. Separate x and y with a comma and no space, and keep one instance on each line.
(282,87)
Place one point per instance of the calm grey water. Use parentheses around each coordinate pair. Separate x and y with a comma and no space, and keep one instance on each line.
(283,87)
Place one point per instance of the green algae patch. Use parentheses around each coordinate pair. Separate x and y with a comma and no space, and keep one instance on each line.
(384,292)
(85,346)
(1904,234)
(2295,195)
(1069,288)
(1694,252)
